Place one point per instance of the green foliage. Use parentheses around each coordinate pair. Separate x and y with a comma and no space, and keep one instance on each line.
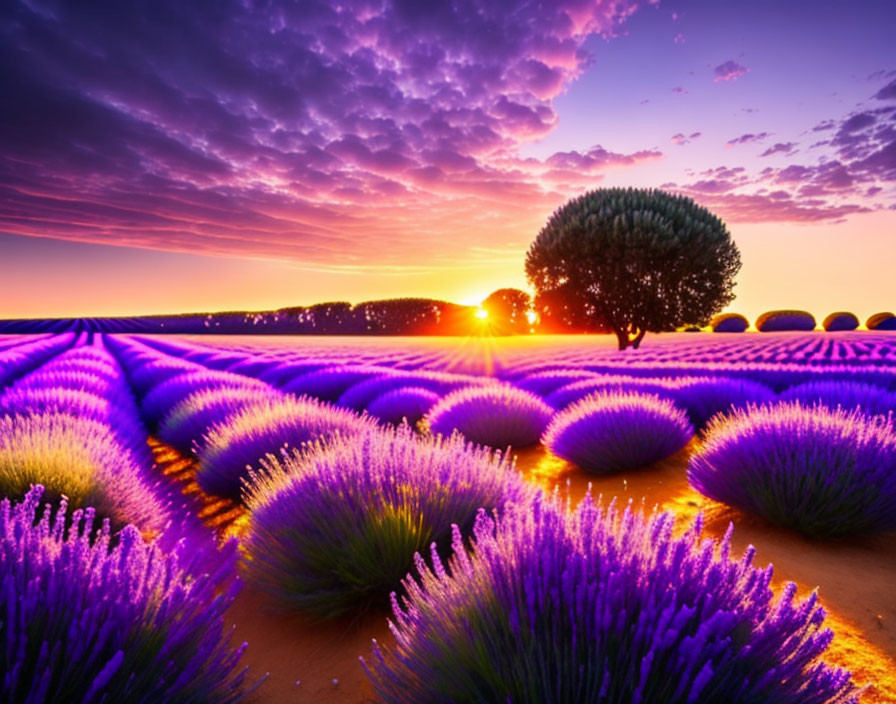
(631,261)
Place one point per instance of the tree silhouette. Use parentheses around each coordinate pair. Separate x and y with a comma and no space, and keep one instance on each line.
(632,261)
(507,310)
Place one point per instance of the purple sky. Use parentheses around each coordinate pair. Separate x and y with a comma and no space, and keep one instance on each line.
(170,155)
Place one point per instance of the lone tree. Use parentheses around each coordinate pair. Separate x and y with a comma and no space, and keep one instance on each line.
(632,261)
(507,310)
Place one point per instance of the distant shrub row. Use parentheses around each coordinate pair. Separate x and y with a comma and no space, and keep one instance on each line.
(793,320)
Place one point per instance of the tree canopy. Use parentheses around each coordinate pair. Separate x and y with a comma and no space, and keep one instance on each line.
(631,261)
(508,310)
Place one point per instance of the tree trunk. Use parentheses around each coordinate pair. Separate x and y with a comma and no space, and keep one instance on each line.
(636,343)
(622,337)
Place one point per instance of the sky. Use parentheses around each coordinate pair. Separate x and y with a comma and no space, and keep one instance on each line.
(168,157)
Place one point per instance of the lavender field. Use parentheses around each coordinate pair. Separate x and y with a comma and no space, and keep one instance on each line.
(473,518)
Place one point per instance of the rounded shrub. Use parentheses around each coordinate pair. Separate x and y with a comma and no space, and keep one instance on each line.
(705,397)
(87,619)
(602,606)
(336,529)
(359,396)
(569,394)
(881,321)
(190,420)
(270,426)
(823,472)
(867,398)
(840,321)
(729,322)
(79,381)
(285,371)
(785,320)
(159,401)
(81,459)
(27,400)
(615,431)
(150,374)
(493,415)
(544,382)
(409,404)
(330,383)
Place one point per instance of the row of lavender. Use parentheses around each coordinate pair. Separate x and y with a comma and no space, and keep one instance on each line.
(334,527)
(101,599)
(605,422)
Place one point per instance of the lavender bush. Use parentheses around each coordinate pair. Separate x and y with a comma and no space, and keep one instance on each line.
(493,415)
(191,419)
(330,383)
(823,472)
(729,322)
(602,606)
(615,431)
(881,321)
(336,530)
(565,396)
(160,400)
(543,383)
(785,320)
(705,397)
(409,404)
(271,426)
(81,459)
(844,394)
(840,321)
(89,620)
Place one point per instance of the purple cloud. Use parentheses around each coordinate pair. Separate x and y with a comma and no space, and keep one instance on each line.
(787,148)
(888,92)
(747,138)
(729,71)
(302,130)
(680,90)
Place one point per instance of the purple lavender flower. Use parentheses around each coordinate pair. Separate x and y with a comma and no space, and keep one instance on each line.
(148,375)
(601,606)
(614,431)
(336,529)
(824,472)
(544,382)
(81,459)
(359,395)
(330,383)
(496,415)
(867,398)
(565,396)
(270,426)
(191,419)
(159,401)
(704,397)
(91,620)
(409,404)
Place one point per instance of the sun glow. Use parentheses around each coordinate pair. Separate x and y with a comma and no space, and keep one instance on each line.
(481,313)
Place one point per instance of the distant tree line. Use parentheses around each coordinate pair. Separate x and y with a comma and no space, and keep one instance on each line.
(396,316)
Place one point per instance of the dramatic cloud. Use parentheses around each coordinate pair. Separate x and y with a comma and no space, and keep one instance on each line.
(315,131)
(888,92)
(729,71)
